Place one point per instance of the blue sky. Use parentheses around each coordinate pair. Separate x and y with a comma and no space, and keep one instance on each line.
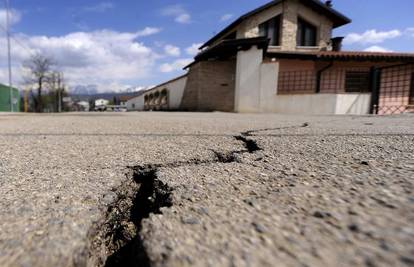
(117,44)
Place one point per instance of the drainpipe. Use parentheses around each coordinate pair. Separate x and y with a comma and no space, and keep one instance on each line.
(375,89)
(319,76)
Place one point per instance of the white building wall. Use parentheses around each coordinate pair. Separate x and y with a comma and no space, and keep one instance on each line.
(101,102)
(247,96)
(135,104)
(357,104)
(309,104)
(175,90)
(322,104)
(256,91)
(268,86)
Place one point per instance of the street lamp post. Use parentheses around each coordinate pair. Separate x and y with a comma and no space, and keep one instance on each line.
(9,53)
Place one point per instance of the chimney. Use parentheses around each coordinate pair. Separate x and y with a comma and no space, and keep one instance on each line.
(337,43)
(328,3)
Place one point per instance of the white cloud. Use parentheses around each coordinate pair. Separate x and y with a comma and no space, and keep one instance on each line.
(226,17)
(80,14)
(371,37)
(193,49)
(15,17)
(100,7)
(148,31)
(410,31)
(176,65)
(171,50)
(178,12)
(377,48)
(106,58)
(3,76)
(183,18)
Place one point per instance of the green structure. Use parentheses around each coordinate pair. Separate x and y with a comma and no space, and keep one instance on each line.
(5,99)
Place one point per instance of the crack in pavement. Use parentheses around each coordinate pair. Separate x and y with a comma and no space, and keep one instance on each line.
(117,241)
(247,133)
(150,198)
(118,236)
(251,132)
(242,136)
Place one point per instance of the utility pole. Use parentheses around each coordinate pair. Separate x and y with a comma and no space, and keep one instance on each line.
(60,81)
(9,52)
(26,100)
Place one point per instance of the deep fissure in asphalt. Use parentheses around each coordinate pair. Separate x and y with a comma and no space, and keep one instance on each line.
(124,238)
(150,198)
(121,231)
(250,144)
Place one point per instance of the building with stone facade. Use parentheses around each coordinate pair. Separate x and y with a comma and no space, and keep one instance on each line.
(282,57)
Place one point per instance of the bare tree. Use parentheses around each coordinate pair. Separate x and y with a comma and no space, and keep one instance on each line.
(40,69)
(57,88)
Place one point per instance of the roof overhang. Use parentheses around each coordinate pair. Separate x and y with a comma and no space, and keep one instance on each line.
(337,18)
(344,56)
(229,48)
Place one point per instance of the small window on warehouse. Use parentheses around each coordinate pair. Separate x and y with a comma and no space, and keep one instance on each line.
(357,82)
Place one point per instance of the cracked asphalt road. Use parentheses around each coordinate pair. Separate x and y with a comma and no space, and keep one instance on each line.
(321,191)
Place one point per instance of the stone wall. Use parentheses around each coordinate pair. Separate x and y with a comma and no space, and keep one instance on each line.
(290,10)
(249,28)
(210,87)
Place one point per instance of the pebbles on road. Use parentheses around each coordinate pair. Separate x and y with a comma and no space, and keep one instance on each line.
(176,189)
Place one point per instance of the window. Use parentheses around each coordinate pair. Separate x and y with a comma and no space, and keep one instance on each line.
(357,82)
(271,29)
(306,35)
(411,100)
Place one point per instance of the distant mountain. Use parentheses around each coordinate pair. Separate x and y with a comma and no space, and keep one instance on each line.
(93,90)
(138,89)
(83,90)
(90,92)
(107,96)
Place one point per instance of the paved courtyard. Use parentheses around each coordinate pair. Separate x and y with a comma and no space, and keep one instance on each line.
(206,189)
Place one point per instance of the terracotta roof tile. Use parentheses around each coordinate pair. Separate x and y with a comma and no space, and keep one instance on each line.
(363,54)
(344,55)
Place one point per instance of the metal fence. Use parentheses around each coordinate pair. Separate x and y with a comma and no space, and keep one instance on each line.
(297,82)
(345,80)
(395,90)
(332,81)
(392,87)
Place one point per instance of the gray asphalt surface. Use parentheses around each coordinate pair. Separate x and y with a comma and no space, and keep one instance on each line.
(206,189)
